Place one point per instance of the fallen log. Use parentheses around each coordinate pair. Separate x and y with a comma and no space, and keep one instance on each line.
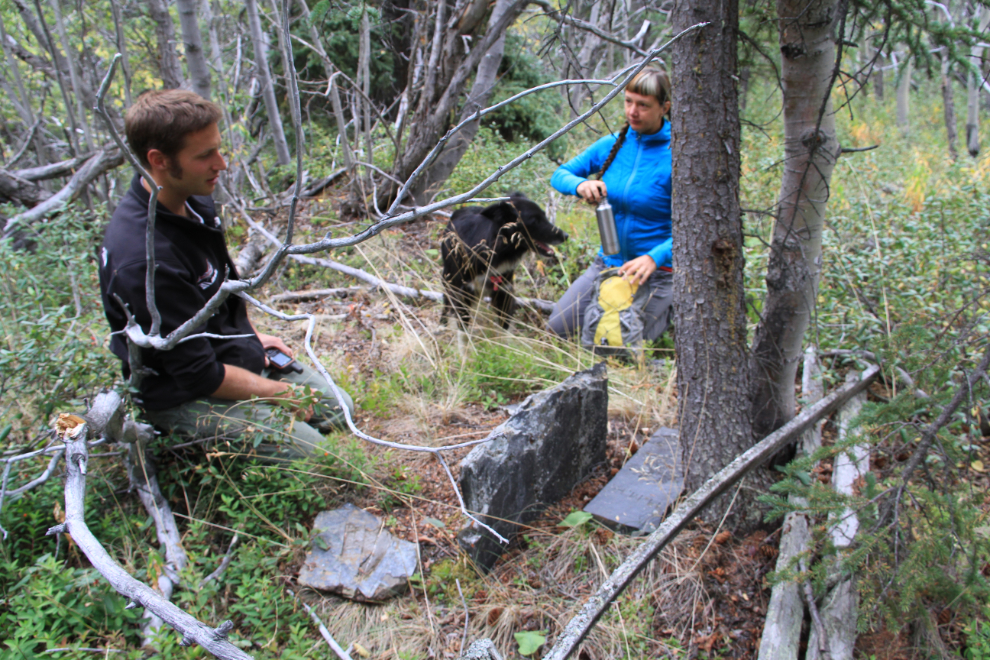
(18,189)
(579,627)
(785,613)
(52,170)
(841,604)
(106,159)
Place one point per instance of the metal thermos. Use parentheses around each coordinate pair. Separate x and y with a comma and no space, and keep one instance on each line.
(606,228)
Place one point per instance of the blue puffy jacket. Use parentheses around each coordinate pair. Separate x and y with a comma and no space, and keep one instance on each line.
(638,182)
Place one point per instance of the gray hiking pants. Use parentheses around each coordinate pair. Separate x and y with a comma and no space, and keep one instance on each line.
(568,313)
(257,425)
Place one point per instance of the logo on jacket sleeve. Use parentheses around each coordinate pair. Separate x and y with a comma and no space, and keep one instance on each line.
(206,280)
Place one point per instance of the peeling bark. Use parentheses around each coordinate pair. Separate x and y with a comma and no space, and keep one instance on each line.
(810,151)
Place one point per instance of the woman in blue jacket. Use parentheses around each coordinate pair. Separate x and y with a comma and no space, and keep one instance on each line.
(633,169)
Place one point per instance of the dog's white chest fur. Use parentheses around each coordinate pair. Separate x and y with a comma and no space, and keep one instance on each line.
(504,268)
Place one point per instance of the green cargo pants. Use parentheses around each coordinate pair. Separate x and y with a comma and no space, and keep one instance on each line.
(258,425)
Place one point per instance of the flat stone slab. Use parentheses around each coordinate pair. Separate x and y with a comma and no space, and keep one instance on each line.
(637,498)
(355,557)
(534,459)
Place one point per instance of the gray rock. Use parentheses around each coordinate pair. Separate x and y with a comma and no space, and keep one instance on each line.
(637,498)
(361,561)
(534,459)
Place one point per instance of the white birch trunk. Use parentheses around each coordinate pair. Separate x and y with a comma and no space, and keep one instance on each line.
(267,86)
(168,59)
(973,93)
(192,41)
(121,42)
(74,77)
(332,89)
(904,96)
(810,151)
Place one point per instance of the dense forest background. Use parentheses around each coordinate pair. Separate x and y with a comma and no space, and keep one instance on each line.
(360,94)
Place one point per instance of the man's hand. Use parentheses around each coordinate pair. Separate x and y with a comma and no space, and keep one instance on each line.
(638,270)
(296,396)
(270,341)
(592,191)
(240,385)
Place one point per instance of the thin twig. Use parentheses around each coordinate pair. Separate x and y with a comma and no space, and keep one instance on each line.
(809,598)
(467,616)
(341,653)
(223,563)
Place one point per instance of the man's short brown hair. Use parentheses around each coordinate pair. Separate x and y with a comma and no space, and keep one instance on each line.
(161,119)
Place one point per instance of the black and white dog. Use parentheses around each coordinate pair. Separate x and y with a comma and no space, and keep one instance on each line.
(481,248)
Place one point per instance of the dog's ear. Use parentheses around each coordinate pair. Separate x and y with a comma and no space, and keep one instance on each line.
(518,195)
(501,214)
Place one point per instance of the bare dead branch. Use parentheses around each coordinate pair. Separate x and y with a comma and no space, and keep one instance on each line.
(73,431)
(104,160)
(632,44)
(334,646)
(52,170)
(224,563)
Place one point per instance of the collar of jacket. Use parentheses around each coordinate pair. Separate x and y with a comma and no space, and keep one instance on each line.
(210,220)
(663,135)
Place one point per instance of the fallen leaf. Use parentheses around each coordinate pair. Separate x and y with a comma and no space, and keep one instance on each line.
(977,465)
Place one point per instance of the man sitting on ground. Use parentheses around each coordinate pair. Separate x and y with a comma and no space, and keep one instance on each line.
(203,387)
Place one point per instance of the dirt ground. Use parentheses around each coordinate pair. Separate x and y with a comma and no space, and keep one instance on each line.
(732,571)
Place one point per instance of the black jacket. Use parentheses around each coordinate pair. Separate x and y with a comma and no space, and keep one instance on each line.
(191,260)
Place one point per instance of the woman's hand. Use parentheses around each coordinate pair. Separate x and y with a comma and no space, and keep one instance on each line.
(592,191)
(638,270)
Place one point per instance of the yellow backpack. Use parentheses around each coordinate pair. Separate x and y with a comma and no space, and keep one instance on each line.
(613,320)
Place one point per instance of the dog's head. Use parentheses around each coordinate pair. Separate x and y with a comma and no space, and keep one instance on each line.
(535,229)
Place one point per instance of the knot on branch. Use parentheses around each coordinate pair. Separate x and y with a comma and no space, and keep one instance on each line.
(57,529)
(223,629)
(186,641)
(131,604)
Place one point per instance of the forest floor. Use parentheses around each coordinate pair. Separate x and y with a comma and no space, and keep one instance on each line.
(705,596)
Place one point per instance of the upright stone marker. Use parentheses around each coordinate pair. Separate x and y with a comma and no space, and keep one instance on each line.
(637,498)
(534,459)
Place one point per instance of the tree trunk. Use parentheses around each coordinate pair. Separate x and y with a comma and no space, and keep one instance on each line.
(168,59)
(446,80)
(75,80)
(121,42)
(876,77)
(267,86)
(192,40)
(61,64)
(949,107)
(810,150)
(334,93)
(709,313)
(973,93)
(477,99)
(903,96)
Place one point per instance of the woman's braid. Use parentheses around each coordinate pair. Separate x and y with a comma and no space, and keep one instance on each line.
(615,150)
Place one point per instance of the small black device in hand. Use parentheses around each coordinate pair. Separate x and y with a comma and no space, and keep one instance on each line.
(281,361)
